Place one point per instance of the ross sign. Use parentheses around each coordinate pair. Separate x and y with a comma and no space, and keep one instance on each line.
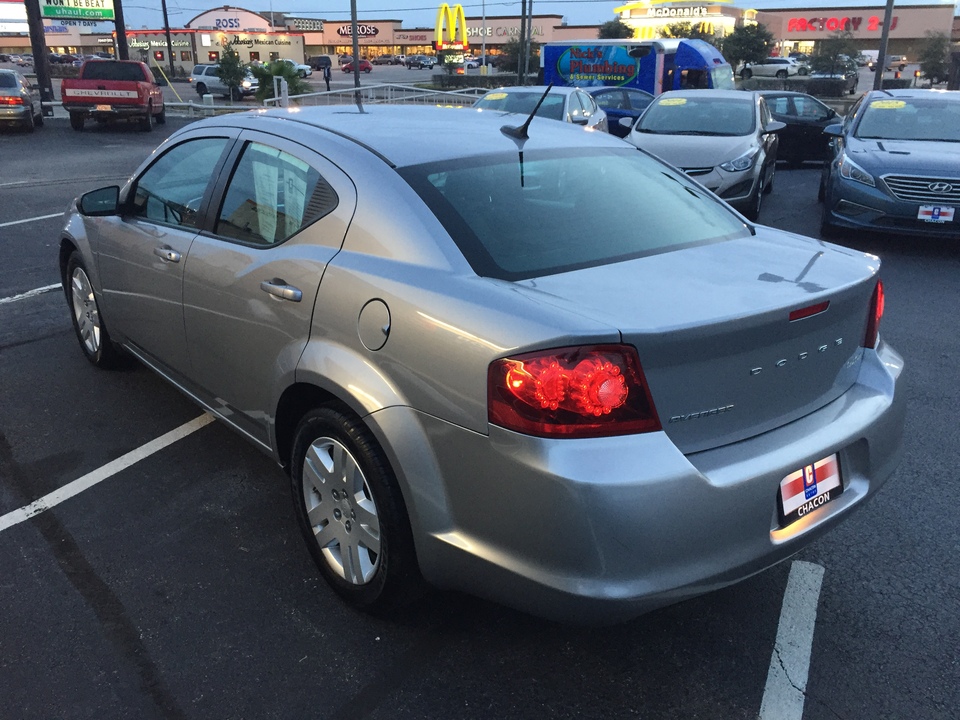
(77,9)
(450,19)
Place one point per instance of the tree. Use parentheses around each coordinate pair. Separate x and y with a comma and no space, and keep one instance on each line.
(689,31)
(748,43)
(934,54)
(835,53)
(615,30)
(231,71)
(265,74)
(509,59)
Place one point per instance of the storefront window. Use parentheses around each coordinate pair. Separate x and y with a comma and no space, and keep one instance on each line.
(274,56)
(254,56)
(186,56)
(213,56)
(158,55)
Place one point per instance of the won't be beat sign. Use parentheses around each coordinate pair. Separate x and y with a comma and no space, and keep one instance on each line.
(77,9)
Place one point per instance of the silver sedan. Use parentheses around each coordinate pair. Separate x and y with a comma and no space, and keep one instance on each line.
(540,366)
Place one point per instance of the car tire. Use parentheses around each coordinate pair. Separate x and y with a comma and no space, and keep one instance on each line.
(85,312)
(236,94)
(201,89)
(76,121)
(351,512)
(301,73)
(38,120)
(29,122)
(768,186)
(146,122)
(161,117)
(782,74)
(367,71)
(746,73)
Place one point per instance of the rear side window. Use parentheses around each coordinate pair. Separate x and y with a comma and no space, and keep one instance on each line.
(272,195)
(575,208)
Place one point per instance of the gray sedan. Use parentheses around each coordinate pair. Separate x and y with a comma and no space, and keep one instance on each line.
(19,101)
(567,104)
(539,366)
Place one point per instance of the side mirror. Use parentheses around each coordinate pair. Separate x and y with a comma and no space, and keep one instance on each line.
(101,202)
(627,122)
(835,130)
(579,119)
(774,126)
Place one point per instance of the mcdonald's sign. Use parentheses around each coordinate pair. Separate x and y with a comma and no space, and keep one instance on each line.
(450,20)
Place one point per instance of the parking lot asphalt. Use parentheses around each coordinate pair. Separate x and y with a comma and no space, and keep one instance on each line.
(178,585)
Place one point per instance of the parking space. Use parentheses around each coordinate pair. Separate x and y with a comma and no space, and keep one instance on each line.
(179,586)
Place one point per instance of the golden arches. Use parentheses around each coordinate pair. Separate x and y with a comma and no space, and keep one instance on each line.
(454,19)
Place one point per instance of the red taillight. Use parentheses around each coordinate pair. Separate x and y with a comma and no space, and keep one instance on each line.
(11,100)
(572,392)
(809,311)
(873,319)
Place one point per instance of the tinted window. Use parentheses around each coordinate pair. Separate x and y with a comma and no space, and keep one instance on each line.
(8,80)
(170,191)
(639,100)
(113,71)
(700,116)
(271,196)
(612,100)
(575,209)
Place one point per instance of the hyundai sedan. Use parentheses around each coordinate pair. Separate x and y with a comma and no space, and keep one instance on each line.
(895,166)
(567,104)
(726,139)
(518,360)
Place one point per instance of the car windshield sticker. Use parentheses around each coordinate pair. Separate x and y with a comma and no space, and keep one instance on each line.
(667,102)
(888,104)
(496,96)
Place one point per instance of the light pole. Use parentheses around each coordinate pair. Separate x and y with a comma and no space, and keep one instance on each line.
(884,39)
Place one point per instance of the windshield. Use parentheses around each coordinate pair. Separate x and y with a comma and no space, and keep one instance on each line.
(522,102)
(576,208)
(910,118)
(706,115)
(723,78)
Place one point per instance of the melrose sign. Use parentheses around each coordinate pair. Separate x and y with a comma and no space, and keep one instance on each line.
(77,9)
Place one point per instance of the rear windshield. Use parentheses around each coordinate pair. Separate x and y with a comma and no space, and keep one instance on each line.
(576,208)
(700,116)
(910,119)
(8,80)
(523,102)
(112,71)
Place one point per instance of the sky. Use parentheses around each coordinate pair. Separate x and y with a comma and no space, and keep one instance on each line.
(422,13)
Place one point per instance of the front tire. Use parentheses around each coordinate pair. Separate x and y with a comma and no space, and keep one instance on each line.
(746,73)
(92,334)
(201,89)
(752,213)
(350,511)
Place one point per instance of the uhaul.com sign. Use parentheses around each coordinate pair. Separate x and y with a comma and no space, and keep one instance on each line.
(77,9)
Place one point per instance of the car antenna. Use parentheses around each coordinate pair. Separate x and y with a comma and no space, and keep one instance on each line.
(519,133)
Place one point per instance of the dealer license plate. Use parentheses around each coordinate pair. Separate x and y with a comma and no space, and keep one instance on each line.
(935,213)
(810,487)
(102,108)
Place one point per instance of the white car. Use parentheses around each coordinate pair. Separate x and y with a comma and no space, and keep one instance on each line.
(303,70)
(771,67)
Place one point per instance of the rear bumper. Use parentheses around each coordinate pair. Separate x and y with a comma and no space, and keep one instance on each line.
(115,111)
(601,530)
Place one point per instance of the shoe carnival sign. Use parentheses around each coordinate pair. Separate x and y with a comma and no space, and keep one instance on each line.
(835,24)
(449,21)
(597,65)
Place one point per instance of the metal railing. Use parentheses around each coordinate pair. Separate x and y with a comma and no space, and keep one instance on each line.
(385,94)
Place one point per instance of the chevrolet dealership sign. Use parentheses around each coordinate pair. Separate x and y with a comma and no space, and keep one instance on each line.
(77,9)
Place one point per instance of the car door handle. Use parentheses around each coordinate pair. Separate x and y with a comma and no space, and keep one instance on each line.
(167,254)
(280,289)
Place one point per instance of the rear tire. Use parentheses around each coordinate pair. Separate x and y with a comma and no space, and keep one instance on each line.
(28,124)
(76,121)
(782,74)
(201,89)
(146,122)
(350,511)
(161,117)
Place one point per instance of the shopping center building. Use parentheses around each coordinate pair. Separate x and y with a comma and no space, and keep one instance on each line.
(272,35)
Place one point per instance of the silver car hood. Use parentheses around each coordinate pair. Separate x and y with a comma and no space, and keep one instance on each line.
(712,327)
(689,151)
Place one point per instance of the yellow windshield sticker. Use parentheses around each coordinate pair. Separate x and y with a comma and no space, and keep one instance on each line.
(496,96)
(673,101)
(888,104)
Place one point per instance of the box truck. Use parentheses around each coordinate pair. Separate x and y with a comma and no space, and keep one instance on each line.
(652,65)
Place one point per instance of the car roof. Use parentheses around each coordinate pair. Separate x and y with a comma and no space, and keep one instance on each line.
(536,89)
(947,96)
(730,94)
(410,135)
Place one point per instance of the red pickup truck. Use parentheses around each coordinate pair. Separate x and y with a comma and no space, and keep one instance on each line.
(113,89)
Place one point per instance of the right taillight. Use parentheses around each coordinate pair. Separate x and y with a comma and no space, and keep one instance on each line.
(572,392)
(873,319)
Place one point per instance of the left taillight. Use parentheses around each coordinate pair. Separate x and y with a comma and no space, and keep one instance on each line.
(872,334)
(571,392)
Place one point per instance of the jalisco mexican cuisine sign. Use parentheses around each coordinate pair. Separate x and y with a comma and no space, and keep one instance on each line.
(77,9)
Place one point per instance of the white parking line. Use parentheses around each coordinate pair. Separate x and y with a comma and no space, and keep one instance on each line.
(30,293)
(786,687)
(33,219)
(100,474)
